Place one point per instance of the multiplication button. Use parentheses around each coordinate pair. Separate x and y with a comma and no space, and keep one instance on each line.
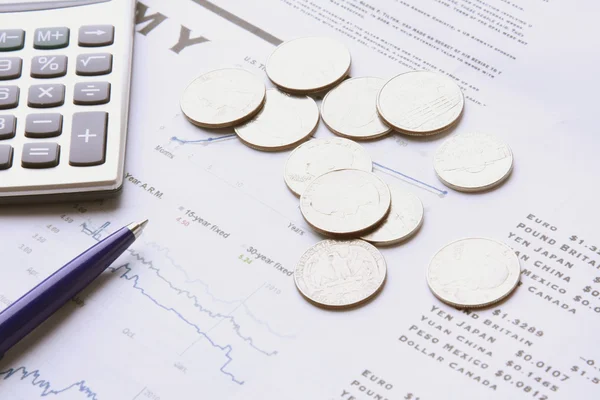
(40,155)
(43,125)
(44,96)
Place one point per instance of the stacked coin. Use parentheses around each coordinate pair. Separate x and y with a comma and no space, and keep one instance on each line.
(340,196)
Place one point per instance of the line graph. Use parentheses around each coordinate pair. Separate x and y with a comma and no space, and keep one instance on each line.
(388,169)
(208,140)
(36,380)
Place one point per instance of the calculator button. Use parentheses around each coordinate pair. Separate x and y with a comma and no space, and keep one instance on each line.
(96,35)
(51,38)
(43,125)
(12,39)
(10,68)
(8,126)
(88,139)
(44,96)
(48,66)
(91,93)
(9,97)
(94,64)
(6,156)
(40,155)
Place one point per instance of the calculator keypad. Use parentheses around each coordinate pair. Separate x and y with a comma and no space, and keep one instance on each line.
(89,129)
(45,96)
(6,156)
(10,68)
(40,155)
(43,125)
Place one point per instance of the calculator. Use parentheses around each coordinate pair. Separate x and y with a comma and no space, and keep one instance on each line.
(65,72)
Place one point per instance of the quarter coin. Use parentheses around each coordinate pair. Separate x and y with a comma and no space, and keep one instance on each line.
(405,218)
(308,65)
(420,103)
(319,156)
(473,162)
(350,109)
(474,272)
(339,274)
(284,121)
(222,98)
(345,202)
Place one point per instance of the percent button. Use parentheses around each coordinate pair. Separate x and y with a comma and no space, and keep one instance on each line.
(48,66)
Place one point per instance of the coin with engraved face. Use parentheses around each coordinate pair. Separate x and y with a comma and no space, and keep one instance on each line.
(340,273)
(345,202)
(472,162)
(350,109)
(420,103)
(284,121)
(222,98)
(308,65)
(473,272)
(403,221)
(319,156)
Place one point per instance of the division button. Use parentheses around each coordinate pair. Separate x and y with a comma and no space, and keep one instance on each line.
(10,68)
(94,64)
(8,126)
(9,97)
(43,125)
(6,156)
(51,38)
(48,66)
(96,35)
(40,155)
(88,139)
(44,96)
(91,93)
(12,39)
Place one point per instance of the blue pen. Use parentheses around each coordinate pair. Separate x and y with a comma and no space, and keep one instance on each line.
(25,314)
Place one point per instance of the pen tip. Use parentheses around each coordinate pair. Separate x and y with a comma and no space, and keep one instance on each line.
(138,228)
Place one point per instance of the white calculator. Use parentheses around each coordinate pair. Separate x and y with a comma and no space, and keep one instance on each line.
(65,70)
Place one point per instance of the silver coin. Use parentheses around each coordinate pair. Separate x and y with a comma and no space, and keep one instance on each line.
(339,274)
(474,272)
(420,103)
(223,98)
(405,218)
(346,201)
(309,64)
(350,110)
(319,156)
(473,162)
(283,122)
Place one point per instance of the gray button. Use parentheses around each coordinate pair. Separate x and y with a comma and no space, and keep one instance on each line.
(12,39)
(6,156)
(88,139)
(48,66)
(91,93)
(9,97)
(43,125)
(40,155)
(94,64)
(44,96)
(51,38)
(10,68)
(96,35)
(8,126)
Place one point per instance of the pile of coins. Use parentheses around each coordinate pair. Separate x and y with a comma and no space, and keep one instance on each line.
(340,196)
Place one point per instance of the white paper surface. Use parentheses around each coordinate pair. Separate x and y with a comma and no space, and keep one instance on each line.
(203,305)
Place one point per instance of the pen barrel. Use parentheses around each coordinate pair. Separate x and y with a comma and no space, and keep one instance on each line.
(25,314)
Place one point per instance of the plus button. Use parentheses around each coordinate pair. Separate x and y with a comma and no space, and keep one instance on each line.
(87,135)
